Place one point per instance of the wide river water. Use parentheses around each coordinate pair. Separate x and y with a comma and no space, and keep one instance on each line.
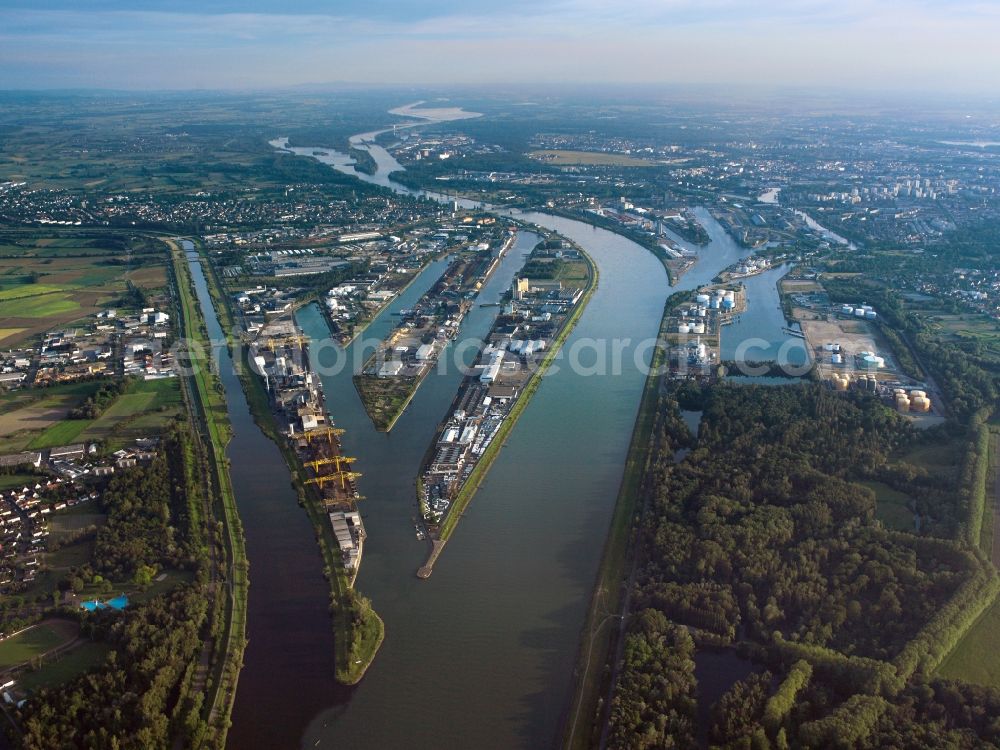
(481,654)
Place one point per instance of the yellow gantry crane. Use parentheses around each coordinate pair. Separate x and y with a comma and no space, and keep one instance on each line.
(338,460)
(268,340)
(328,432)
(343,476)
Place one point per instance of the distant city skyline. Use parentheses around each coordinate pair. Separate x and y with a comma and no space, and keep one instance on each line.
(914,45)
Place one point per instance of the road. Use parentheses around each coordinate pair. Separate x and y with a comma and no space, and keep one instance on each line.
(995,552)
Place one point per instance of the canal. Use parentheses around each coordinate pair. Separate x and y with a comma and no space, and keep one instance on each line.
(290,637)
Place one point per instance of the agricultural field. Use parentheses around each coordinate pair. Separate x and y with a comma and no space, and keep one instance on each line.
(141,412)
(589,158)
(48,281)
(24,415)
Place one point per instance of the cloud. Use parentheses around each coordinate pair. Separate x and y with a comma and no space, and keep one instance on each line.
(885,42)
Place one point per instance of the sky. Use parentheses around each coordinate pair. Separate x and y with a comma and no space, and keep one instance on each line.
(872,45)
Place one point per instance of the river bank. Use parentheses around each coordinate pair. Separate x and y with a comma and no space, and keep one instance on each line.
(204,387)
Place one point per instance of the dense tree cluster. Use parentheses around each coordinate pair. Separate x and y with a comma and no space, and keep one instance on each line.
(762,528)
(141,697)
(655,705)
(762,536)
(147,522)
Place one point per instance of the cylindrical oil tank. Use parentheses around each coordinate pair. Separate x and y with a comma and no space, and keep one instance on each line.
(683,328)
(837,359)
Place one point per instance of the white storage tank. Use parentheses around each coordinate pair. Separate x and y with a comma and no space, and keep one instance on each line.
(859,313)
(683,328)
(698,328)
(870,315)
(837,359)
(702,299)
(828,347)
(702,312)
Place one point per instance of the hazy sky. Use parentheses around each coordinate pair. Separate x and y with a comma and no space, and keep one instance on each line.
(934,45)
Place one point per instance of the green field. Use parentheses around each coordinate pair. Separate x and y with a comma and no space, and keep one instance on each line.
(891,507)
(141,412)
(589,158)
(61,433)
(977,657)
(65,668)
(23,290)
(36,641)
(42,306)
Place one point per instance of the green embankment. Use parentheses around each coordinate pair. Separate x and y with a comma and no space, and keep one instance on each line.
(210,406)
(351,614)
(482,468)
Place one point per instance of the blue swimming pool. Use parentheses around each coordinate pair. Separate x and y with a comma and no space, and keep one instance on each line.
(119,603)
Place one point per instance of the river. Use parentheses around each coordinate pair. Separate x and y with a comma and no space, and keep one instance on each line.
(481,654)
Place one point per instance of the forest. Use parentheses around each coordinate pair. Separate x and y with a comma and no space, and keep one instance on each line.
(762,539)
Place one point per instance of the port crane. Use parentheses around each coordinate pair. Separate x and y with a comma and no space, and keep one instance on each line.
(328,432)
(343,476)
(268,340)
(338,460)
